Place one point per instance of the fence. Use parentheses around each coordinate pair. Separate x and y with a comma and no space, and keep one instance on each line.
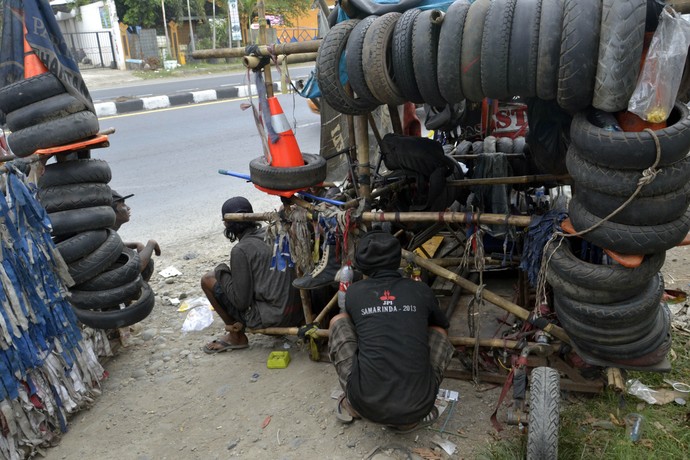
(92,49)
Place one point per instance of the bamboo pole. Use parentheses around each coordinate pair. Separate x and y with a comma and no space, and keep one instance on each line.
(311,46)
(451,217)
(486,294)
(493,343)
(297,58)
(329,306)
(377,216)
(533,179)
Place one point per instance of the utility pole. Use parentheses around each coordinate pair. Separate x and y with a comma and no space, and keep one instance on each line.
(191,30)
(165,27)
(214,23)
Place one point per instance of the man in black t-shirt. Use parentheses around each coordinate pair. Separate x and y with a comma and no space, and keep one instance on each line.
(391,346)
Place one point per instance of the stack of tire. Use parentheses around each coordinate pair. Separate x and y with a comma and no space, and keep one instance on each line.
(581,54)
(611,313)
(109,291)
(40,113)
(488,48)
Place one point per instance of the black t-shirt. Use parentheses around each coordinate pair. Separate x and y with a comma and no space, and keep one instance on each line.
(391,380)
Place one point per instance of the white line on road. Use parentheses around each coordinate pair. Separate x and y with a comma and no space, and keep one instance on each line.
(144,95)
(186,90)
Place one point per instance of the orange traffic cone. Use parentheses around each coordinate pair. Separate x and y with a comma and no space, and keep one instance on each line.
(32,64)
(285,152)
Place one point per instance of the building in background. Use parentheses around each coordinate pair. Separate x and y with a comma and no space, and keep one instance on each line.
(92,33)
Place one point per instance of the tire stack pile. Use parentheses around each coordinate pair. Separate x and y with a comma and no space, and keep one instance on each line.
(106,274)
(488,48)
(40,114)
(580,54)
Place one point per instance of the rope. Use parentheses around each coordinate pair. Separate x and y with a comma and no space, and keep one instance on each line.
(300,247)
(648,175)
(540,289)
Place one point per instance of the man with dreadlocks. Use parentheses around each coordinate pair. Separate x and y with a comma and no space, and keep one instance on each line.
(249,293)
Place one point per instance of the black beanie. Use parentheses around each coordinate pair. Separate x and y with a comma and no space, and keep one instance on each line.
(238,204)
(377,250)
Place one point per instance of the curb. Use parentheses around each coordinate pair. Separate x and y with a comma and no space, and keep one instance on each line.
(108,109)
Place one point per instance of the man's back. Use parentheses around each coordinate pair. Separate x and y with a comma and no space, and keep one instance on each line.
(392,380)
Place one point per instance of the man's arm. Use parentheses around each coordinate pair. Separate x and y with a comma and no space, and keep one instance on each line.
(145,252)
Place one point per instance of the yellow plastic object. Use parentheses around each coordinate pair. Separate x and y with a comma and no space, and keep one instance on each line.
(278,360)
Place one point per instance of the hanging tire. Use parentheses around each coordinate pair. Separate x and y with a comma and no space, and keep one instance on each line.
(59,131)
(614,278)
(626,313)
(655,210)
(632,150)
(402,56)
(25,92)
(566,287)
(97,261)
(544,413)
(45,110)
(579,49)
(607,333)
(124,270)
(80,220)
(75,196)
(449,52)
(354,63)
(425,34)
(107,298)
(649,359)
(620,53)
(81,245)
(628,239)
(328,71)
(635,349)
(524,49)
(75,172)
(114,319)
(312,173)
(550,28)
(471,53)
(623,183)
(496,44)
(377,60)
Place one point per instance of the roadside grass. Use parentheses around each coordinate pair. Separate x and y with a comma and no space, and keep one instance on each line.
(592,427)
(196,68)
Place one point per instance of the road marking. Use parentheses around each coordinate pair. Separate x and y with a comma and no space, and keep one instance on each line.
(177,107)
(186,90)
(144,95)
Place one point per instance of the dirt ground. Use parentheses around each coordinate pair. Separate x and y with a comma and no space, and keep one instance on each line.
(166,399)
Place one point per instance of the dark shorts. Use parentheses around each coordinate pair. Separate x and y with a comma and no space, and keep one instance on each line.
(227,305)
(342,346)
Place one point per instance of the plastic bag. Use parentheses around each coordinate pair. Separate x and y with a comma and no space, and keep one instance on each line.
(658,84)
(198,318)
(642,391)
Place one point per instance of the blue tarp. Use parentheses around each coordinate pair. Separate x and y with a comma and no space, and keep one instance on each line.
(45,38)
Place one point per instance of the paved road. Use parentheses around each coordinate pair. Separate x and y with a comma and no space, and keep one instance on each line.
(185,85)
(169,159)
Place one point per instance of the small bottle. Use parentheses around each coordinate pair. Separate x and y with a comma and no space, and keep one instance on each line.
(346,276)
